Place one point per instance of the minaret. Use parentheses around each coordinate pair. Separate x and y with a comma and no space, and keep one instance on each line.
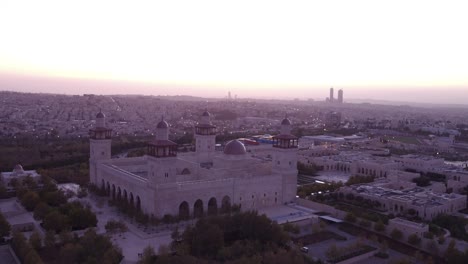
(161,146)
(285,160)
(100,139)
(205,137)
(162,155)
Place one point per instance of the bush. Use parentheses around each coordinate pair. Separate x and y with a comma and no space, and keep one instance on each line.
(4,226)
(396,234)
(350,218)
(365,223)
(379,226)
(413,239)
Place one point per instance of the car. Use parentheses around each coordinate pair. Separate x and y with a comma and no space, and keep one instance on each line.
(305,249)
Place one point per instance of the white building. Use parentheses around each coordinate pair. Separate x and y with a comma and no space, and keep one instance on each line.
(400,198)
(192,184)
(19,175)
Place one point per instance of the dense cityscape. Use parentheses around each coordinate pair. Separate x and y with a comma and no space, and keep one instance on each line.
(237,132)
(387,185)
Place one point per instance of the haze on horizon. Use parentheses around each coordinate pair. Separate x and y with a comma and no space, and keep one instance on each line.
(391,50)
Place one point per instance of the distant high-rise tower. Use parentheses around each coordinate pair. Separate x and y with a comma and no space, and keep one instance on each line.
(331,95)
(229,95)
(340,96)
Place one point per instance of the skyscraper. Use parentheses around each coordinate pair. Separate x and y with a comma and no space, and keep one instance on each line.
(331,95)
(340,96)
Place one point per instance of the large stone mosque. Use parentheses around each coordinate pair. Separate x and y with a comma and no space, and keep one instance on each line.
(195,183)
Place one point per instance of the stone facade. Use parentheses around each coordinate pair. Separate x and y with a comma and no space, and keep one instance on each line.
(192,184)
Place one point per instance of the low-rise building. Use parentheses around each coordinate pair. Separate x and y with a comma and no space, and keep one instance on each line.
(411,200)
(18,174)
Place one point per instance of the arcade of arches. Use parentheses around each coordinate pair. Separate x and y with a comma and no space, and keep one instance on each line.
(186,211)
(199,209)
(116,193)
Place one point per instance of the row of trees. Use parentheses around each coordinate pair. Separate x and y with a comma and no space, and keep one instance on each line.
(23,249)
(316,188)
(455,224)
(50,205)
(357,179)
(90,248)
(239,238)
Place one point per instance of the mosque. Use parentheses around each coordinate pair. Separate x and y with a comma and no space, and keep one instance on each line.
(195,183)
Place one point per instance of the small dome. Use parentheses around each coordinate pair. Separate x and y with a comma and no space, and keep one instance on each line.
(234,147)
(100,115)
(206,113)
(162,124)
(286,122)
(18,168)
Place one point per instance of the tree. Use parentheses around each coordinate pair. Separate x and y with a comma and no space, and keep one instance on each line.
(32,257)
(396,234)
(4,226)
(432,247)
(29,200)
(332,251)
(35,240)
(350,218)
(3,191)
(365,223)
(112,255)
(49,240)
(55,221)
(30,183)
(148,256)
(384,247)
(207,240)
(441,239)
(288,227)
(414,239)
(379,226)
(65,237)
(41,210)
(69,253)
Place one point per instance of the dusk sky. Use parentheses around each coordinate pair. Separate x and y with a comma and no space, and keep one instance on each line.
(390,50)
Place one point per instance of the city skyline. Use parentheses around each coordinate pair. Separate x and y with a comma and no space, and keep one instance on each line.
(397,51)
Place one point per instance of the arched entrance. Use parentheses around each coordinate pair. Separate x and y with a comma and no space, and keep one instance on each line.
(132,200)
(184,211)
(119,194)
(138,203)
(125,196)
(212,206)
(226,205)
(198,208)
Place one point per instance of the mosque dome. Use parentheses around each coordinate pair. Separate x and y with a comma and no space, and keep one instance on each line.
(234,147)
(206,113)
(100,115)
(18,168)
(162,124)
(286,122)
